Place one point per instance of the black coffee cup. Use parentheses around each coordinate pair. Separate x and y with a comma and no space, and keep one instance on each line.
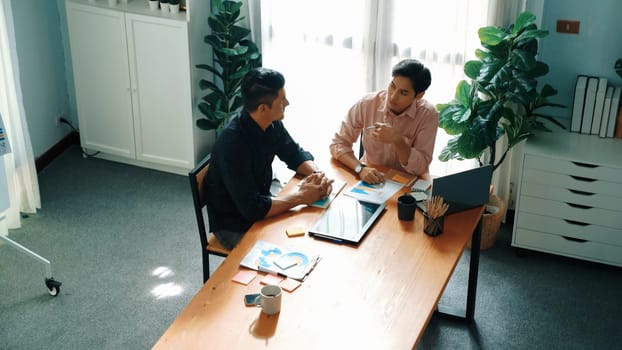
(406,205)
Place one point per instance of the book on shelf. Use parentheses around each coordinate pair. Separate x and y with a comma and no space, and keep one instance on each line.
(613,110)
(606,111)
(579,98)
(271,258)
(599,105)
(338,185)
(588,106)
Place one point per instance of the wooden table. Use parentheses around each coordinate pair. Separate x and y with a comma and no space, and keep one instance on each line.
(379,295)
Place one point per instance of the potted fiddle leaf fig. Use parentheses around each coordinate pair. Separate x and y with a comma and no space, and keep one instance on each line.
(234,55)
(500,99)
(502,96)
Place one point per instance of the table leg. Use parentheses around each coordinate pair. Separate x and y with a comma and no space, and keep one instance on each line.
(468,314)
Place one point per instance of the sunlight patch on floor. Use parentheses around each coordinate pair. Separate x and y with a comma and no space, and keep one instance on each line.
(165,290)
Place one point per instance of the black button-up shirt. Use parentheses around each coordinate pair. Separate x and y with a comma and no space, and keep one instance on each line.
(240,173)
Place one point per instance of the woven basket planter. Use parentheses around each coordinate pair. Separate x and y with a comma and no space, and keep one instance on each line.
(491,222)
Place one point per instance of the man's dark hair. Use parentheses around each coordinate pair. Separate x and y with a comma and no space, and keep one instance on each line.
(261,86)
(414,70)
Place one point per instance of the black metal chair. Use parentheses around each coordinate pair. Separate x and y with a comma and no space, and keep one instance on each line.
(209,242)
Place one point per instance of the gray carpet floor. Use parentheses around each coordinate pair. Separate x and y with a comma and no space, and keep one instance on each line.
(123,242)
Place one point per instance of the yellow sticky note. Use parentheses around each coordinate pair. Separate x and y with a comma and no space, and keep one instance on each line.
(295,231)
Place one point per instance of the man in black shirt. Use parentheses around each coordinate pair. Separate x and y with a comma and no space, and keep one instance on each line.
(240,174)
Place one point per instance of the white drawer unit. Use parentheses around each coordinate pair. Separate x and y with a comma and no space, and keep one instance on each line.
(569,197)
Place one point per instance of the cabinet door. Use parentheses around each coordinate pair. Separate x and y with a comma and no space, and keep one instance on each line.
(160,68)
(101,74)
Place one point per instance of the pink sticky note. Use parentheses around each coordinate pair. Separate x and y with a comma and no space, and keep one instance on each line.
(271,279)
(290,284)
(244,276)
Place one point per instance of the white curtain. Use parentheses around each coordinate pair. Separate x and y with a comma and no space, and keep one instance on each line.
(20,166)
(502,13)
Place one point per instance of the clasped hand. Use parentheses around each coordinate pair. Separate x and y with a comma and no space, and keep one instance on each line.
(315,187)
(384,132)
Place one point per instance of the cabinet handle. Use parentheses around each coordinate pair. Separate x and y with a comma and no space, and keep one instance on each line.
(574,239)
(579,206)
(578,223)
(581,178)
(585,165)
(583,193)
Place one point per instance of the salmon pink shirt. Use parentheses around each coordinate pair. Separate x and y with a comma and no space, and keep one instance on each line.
(417,125)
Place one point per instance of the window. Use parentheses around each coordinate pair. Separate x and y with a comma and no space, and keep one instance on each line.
(332,52)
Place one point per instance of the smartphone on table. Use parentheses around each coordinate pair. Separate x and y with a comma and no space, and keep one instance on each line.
(251,299)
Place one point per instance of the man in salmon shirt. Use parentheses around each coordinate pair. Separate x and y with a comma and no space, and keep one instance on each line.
(399,126)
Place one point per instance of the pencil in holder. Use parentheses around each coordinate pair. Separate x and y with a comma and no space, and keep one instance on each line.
(433,227)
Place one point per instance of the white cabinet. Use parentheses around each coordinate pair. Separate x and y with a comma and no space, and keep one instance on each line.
(132,74)
(569,195)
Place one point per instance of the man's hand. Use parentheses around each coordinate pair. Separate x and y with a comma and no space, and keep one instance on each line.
(315,187)
(371,175)
(384,132)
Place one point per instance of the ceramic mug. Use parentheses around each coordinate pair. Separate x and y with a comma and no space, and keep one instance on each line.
(269,299)
(406,206)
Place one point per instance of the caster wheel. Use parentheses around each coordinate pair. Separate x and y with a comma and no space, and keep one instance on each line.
(53,286)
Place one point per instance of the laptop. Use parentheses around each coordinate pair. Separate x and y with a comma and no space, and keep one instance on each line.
(463,190)
(346,220)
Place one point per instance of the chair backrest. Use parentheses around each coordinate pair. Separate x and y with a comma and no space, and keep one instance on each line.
(361,149)
(196,177)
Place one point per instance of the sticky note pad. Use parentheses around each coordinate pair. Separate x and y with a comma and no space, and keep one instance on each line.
(295,231)
(285,262)
(399,178)
(271,279)
(244,276)
(290,284)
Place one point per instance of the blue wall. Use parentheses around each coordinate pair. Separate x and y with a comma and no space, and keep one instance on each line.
(592,52)
(41,61)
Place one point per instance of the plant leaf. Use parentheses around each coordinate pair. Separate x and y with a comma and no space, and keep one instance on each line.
(522,60)
(491,35)
(522,20)
(472,69)
(618,67)
(463,92)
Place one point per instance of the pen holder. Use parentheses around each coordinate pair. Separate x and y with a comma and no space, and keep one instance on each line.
(433,227)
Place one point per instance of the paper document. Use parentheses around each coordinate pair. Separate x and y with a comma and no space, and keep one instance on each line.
(271,258)
(422,186)
(338,185)
(373,193)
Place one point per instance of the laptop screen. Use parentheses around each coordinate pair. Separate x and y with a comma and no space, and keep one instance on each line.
(463,190)
(346,220)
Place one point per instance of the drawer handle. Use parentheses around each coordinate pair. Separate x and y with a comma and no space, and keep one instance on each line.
(585,165)
(579,206)
(574,239)
(578,223)
(583,193)
(581,178)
